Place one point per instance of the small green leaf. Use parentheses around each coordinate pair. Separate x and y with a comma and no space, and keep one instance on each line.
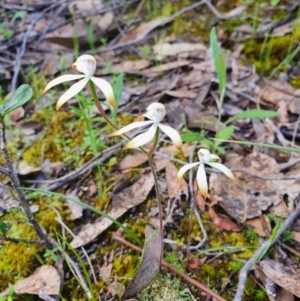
(191,137)
(274,2)
(22,95)
(3,228)
(253,114)
(218,62)
(225,133)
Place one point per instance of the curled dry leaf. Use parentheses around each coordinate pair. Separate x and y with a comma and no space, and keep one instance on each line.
(249,196)
(76,209)
(163,50)
(175,189)
(223,223)
(45,278)
(261,225)
(154,71)
(281,275)
(138,33)
(135,159)
(126,199)
(150,263)
(24,168)
(130,66)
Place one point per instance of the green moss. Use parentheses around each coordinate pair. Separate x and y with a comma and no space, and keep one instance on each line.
(47,145)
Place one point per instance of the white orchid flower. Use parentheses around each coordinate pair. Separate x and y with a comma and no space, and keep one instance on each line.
(205,157)
(87,65)
(155,112)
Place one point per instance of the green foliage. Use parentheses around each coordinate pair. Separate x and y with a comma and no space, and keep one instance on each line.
(287,236)
(237,266)
(51,253)
(251,234)
(118,83)
(22,95)
(260,294)
(275,2)
(219,64)
(10,296)
(3,228)
(253,114)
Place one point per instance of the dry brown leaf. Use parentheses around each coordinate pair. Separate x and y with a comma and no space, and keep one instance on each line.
(280,210)
(17,114)
(24,168)
(103,21)
(128,198)
(281,275)
(115,288)
(45,278)
(130,66)
(135,159)
(162,50)
(234,13)
(181,94)
(65,35)
(138,33)
(76,209)
(195,262)
(86,8)
(261,225)
(165,67)
(296,236)
(202,120)
(150,263)
(105,273)
(223,223)
(92,188)
(279,91)
(175,189)
(249,196)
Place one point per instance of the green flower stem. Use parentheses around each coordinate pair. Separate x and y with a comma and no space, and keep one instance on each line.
(148,154)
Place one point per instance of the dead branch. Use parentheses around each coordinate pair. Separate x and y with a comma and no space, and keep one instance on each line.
(264,247)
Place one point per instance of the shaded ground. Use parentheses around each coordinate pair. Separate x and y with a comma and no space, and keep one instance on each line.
(155,51)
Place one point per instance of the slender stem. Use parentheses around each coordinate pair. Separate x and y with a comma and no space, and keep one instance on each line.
(16,184)
(99,106)
(148,154)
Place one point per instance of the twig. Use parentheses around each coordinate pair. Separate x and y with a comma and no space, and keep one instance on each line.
(21,51)
(267,244)
(173,270)
(146,32)
(18,240)
(45,297)
(16,184)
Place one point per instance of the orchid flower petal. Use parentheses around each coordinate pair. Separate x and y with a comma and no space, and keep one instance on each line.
(184,169)
(71,92)
(62,79)
(86,64)
(130,127)
(142,138)
(222,168)
(107,90)
(202,180)
(173,134)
